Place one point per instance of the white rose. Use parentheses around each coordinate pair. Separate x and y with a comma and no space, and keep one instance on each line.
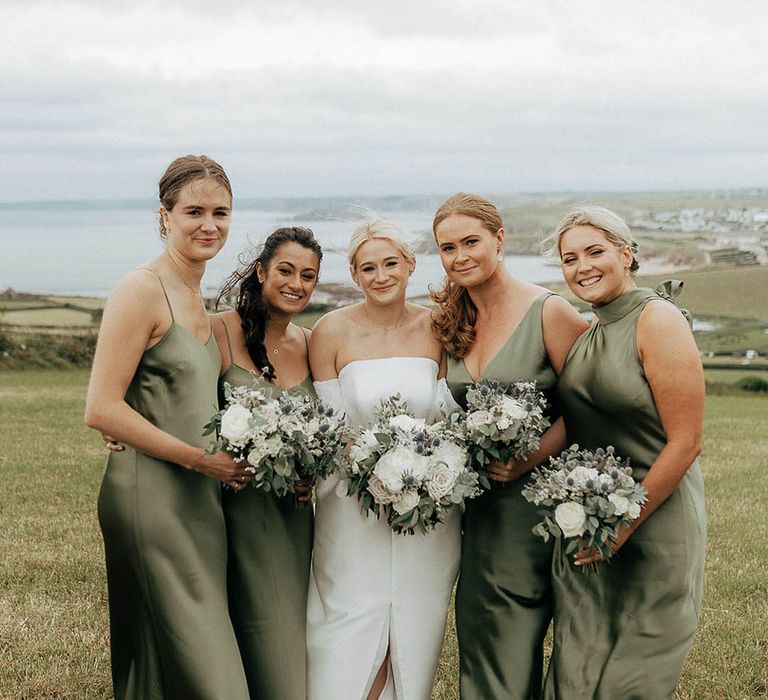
(394,464)
(405,423)
(380,492)
(450,454)
(408,501)
(571,519)
(634,510)
(440,481)
(620,503)
(235,424)
(512,408)
(478,418)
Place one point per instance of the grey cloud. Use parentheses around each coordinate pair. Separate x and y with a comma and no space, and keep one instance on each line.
(595,116)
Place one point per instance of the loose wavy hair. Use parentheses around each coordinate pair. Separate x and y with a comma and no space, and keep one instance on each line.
(250,304)
(453,321)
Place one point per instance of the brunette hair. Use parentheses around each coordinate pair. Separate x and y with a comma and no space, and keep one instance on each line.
(453,322)
(611,225)
(250,305)
(377,229)
(182,171)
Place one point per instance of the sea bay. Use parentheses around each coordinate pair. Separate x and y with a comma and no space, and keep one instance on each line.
(83,248)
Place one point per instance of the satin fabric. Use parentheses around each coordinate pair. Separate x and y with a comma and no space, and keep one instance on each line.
(504,596)
(625,629)
(165,541)
(270,549)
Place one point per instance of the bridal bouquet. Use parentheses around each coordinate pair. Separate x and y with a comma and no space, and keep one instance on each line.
(284,438)
(503,421)
(586,496)
(410,472)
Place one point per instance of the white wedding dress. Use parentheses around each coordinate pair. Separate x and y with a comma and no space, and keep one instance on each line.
(372,589)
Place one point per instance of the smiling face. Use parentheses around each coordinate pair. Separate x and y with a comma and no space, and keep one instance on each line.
(197,225)
(469,251)
(595,269)
(289,278)
(382,271)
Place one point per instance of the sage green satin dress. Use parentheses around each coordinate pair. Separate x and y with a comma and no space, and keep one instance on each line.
(165,541)
(503,600)
(624,630)
(270,551)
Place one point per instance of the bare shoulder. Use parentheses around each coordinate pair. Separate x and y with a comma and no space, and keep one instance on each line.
(420,314)
(661,316)
(136,291)
(556,309)
(537,289)
(662,319)
(224,320)
(332,324)
(230,318)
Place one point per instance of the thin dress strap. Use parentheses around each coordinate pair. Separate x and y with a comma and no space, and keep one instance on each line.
(165,294)
(306,339)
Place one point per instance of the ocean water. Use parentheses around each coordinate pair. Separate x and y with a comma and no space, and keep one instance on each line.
(82,248)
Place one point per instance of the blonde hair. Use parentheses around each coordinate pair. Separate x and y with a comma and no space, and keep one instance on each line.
(610,224)
(378,229)
(453,322)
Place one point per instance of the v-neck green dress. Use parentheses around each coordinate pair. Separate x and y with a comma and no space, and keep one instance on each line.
(503,600)
(624,630)
(165,541)
(270,551)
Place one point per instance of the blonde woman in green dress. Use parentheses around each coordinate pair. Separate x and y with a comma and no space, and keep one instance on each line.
(633,380)
(495,326)
(153,388)
(269,539)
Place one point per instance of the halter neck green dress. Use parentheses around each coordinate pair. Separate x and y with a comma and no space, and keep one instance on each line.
(165,540)
(270,551)
(624,630)
(503,600)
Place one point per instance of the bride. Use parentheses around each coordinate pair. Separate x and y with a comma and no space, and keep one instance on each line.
(377,600)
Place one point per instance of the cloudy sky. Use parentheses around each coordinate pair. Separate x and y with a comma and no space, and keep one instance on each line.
(334,97)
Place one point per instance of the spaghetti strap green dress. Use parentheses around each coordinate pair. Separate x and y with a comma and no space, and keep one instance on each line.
(625,629)
(165,541)
(503,599)
(270,550)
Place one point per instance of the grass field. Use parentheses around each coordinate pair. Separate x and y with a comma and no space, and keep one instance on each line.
(48,317)
(53,613)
